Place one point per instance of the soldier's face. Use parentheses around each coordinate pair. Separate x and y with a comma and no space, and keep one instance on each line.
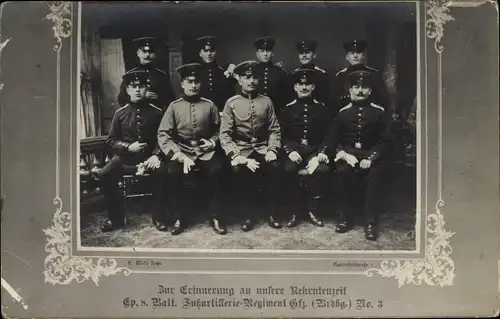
(355,58)
(304,89)
(207,54)
(191,86)
(136,91)
(248,83)
(146,57)
(264,56)
(360,92)
(306,57)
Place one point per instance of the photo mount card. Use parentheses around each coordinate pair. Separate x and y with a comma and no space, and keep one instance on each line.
(436,251)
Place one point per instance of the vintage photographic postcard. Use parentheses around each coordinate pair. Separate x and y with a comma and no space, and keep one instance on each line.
(250,159)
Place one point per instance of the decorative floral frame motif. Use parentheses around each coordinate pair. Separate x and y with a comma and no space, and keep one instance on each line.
(436,269)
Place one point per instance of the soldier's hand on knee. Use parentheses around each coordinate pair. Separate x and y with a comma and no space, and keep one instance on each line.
(365,164)
(238,160)
(153,162)
(136,147)
(252,165)
(351,159)
(295,157)
(271,156)
(188,164)
(312,165)
(323,158)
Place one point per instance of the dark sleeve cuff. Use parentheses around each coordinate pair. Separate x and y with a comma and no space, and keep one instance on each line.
(373,156)
(123,145)
(232,154)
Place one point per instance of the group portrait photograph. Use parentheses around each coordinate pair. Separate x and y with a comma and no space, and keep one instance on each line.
(249,126)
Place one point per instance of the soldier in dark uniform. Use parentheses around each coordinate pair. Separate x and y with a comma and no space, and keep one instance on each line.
(188,135)
(307,53)
(355,56)
(217,83)
(132,140)
(304,125)
(358,142)
(160,92)
(273,79)
(250,136)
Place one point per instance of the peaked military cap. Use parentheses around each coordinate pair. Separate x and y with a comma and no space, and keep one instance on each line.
(360,78)
(137,76)
(304,76)
(307,45)
(208,40)
(264,43)
(190,69)
(146,43)
(355,45)
(246,68)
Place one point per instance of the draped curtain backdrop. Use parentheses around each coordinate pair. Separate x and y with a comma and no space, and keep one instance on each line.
(90,123)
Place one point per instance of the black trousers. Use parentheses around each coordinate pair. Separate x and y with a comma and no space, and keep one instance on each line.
(315,183)
(112,172)
(207,173)
(353,185)
(246,184)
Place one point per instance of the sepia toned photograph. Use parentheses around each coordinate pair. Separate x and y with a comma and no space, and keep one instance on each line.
(293,129)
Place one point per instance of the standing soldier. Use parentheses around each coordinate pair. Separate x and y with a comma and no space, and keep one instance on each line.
(355,56)
(217,84)
(304,124)
(358,142)
(160,92)
(250,136)
(188,135)
(307,54)
(273,83)
(132,139)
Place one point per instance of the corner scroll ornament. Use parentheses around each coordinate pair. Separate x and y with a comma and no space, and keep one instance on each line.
(60,13)
(63,268)
(439,14)
(436,269)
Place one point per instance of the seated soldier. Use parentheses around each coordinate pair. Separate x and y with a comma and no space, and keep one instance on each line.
(132,139)
(188,135)
(304,124)
(250,136)
(358,142)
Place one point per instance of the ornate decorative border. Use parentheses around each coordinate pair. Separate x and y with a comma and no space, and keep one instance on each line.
(437,268)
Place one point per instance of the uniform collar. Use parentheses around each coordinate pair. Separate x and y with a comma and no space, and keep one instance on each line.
(307,66)
(250,96)
(141,104)
(306,100)
(361,103)
(148,66)
(192,99)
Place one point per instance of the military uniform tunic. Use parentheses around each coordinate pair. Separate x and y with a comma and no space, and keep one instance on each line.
(304,124)
(215,86)
(273,84)
(248,124)
(187,121)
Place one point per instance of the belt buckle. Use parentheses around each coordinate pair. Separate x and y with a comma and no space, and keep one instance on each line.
(304,142)
(358,145)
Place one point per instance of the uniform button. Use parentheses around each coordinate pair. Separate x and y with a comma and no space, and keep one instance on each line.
(359,126)
(359,114)
(139,137)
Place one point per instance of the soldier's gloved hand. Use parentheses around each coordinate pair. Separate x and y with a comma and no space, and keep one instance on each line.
(350,159)
(230,70)
(365,164)
(152,95)
(136,147)
(323,158)
(152,162)
(238,160)
(312,165)
(206,145)
(188,164)
(271,156)
(295,157)
(252,165)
